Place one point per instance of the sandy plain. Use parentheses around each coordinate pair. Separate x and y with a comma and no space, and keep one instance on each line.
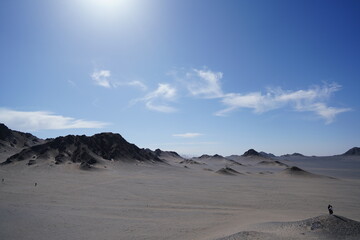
(170,201)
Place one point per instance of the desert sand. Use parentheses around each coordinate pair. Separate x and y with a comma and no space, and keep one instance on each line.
(167,201)
(204,198)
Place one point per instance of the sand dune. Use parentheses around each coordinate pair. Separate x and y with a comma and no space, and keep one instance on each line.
(190,161)
(216,160)
(273,163)
(298,172)
(228,171)
(321,227)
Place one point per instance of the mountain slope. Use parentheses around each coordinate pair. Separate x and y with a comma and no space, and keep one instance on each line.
(12,142)
(83,149)
(353,152)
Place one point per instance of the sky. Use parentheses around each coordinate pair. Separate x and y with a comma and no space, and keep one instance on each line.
(191,76)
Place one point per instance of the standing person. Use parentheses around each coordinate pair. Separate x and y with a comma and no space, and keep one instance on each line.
(330,208)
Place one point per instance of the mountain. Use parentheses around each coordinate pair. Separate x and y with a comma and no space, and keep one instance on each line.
(17,139)
(352,152)
(215,159)
(267,155)
(293,155)
(251,152)
(166,154)
(12,142)
(84,150)
(206,157)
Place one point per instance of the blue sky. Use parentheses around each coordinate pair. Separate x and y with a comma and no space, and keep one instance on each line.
(200,76)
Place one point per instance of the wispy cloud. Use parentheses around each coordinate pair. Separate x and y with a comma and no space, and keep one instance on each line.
(71,83)
(204,83)
(187,135)
(42,120)
(159,99)
(325,112)
(311,100)
(103,78)
(137,84)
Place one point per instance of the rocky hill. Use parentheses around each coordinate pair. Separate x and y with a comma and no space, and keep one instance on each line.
(85,150)
(251,152)
(12,142)
(17,139)
(353,152)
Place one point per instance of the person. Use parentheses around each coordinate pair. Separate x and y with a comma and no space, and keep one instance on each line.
(330,208)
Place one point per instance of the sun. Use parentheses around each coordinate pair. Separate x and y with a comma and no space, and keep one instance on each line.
(109,5)
(108,8)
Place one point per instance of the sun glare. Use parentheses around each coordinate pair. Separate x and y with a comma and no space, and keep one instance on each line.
(109,8)
(107,3)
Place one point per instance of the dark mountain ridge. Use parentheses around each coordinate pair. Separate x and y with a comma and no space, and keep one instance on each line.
(158,152)
(17,139)
(352,152)
(85,150)
(251,152)
(18,146)
(12,142)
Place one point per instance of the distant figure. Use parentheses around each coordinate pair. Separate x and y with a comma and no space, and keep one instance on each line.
(2,180)
(35,184)
(330,208)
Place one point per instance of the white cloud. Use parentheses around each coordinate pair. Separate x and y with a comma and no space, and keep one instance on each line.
(164,91)
(158,99)
(159,107)
(255,101)
(204,83)
(102,78)
(312,100)
(41,120)
(138,84)
(187,135)
(325,112)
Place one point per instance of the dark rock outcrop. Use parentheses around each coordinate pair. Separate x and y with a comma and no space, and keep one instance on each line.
(158,152)
(251,152)
(353,152)
(228,171)
(267,155)
(293,155)
(16,139)
(83,149)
